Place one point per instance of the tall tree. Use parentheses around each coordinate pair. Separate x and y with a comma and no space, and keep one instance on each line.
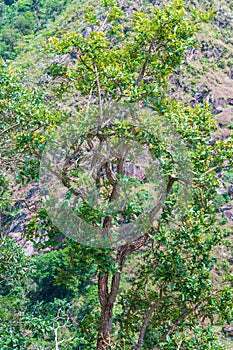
(120,64)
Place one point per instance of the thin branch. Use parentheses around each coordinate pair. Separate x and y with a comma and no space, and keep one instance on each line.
(83,62)
(89,100)
(99,91)
(9,128)
(149,312)
(218,167)
(147,317)
(143,69)
(17,200)
(162,199)
(187,313)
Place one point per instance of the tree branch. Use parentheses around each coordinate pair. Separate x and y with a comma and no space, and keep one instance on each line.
(99,91)
(144,66)
(9,128)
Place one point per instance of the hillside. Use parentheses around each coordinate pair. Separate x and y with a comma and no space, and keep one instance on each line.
(24,19)
(206,75)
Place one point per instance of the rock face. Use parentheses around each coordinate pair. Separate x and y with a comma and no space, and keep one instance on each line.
(201,94)
(228,214)
(227,211)
(24,208)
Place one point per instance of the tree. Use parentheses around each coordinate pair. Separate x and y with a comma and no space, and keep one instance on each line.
(128,59)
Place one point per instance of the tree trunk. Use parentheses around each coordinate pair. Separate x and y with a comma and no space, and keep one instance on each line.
(104,336)
(107,300)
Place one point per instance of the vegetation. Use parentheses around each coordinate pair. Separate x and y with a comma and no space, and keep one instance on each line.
(24,18)
(156,289)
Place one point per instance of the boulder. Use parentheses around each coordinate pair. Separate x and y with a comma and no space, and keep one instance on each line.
(228,331)
(230,101)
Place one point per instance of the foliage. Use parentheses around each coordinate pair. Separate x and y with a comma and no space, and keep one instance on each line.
(36,300)
(24,119)
(23,17)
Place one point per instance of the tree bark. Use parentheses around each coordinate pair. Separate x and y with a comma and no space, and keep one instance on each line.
(107,298)
(105,330)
